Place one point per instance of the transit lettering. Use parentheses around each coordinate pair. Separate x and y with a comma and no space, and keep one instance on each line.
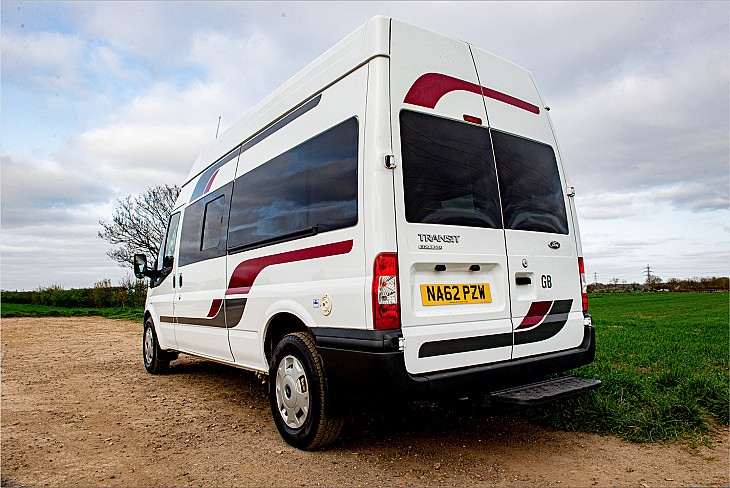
(451,239)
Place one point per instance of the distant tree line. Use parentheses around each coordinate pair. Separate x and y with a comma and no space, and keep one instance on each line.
(130,293)
(710,284)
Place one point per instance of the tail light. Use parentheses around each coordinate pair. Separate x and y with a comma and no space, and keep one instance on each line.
(386,313)
(583,284)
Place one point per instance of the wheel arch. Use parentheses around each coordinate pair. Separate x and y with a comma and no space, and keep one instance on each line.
(279,325)
(147,315)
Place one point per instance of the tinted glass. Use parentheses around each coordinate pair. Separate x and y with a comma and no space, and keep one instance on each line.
(448,172)
(168,254)
(309,189)
(529,182)
(212,223)
(204,228)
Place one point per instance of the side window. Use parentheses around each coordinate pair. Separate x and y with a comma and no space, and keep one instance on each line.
(309,189)
(529,182)
(448,172)
(204,227)
(212,223)
(168,251)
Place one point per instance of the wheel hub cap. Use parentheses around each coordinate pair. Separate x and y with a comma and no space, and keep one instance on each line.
(148,346)
(292,392)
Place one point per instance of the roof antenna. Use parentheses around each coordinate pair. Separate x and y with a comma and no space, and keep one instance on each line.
(219,126)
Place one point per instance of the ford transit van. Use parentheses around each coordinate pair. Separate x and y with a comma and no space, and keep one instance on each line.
(396,219)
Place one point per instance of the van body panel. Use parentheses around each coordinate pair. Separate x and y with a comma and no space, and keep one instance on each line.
(298,274)
(378,200)
(548,259)
(422,246)
(161,293)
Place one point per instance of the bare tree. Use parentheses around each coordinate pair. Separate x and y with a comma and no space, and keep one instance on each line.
(139,223)
(653,280)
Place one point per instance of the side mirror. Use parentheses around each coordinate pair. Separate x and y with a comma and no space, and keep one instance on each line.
(140,266)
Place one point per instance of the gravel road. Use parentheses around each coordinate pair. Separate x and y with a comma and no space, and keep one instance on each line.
(78,409)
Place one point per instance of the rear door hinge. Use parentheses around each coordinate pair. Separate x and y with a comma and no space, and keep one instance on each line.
(401,344)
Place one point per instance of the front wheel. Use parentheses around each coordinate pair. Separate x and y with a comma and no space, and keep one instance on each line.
(298,394)
(155,361)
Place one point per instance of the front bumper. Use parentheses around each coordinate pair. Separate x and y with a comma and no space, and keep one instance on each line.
(369,362)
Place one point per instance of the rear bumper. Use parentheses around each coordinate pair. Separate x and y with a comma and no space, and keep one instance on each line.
(368,362)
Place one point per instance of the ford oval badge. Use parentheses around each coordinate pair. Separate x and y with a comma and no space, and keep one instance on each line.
(554,245)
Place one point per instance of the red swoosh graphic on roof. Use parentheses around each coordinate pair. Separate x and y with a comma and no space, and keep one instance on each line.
(210,182)
(246,272)
(429,88)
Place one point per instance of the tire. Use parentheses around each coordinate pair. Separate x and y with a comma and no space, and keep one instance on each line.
(154,358)
(298,394)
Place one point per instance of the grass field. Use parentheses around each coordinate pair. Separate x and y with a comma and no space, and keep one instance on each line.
(662,358)
(663,361)
(27,310)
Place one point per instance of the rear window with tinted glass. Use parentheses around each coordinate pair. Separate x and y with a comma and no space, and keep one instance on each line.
(529,182)
(448,172)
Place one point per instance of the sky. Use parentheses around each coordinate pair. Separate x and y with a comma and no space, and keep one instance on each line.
(101,100)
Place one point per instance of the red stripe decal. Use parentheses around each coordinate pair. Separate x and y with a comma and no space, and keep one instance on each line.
(246,272)
(215,307)
(535,314)
(429,88)
(210,182)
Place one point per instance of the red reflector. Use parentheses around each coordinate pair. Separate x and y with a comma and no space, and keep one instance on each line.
(472,119)
(386,310)
(583,284)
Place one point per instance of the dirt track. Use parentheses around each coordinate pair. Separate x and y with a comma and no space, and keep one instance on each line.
(78,409)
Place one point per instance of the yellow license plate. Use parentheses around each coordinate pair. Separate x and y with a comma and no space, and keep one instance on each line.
(455,294)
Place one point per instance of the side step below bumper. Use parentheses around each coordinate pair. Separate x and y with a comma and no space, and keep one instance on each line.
(544,391)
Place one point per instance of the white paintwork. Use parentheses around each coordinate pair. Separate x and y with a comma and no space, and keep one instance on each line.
(367,75)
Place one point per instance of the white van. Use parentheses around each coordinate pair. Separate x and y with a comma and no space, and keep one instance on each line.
(396,217)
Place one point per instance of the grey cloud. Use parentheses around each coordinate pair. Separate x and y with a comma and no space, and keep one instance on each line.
(33,260)
(32,188)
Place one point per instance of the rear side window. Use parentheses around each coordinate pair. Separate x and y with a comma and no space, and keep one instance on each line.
(529,182)
(309,189)
(448,172)
(212,223)
(204,228)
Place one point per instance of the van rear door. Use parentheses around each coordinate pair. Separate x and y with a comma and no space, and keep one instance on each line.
(544,279)
(454,293)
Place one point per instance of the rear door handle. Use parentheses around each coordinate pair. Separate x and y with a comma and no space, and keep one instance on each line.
(523,280)
(180,281)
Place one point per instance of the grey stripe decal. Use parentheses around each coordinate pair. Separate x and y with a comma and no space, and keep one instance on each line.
(229,315)
(466,344)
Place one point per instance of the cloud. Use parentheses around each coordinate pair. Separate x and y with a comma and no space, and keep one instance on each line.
(639,97)
(37,191)
(46,61)
(646,134)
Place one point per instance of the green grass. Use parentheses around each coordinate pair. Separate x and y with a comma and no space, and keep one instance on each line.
(662,358)
(27,310)
(663,361)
